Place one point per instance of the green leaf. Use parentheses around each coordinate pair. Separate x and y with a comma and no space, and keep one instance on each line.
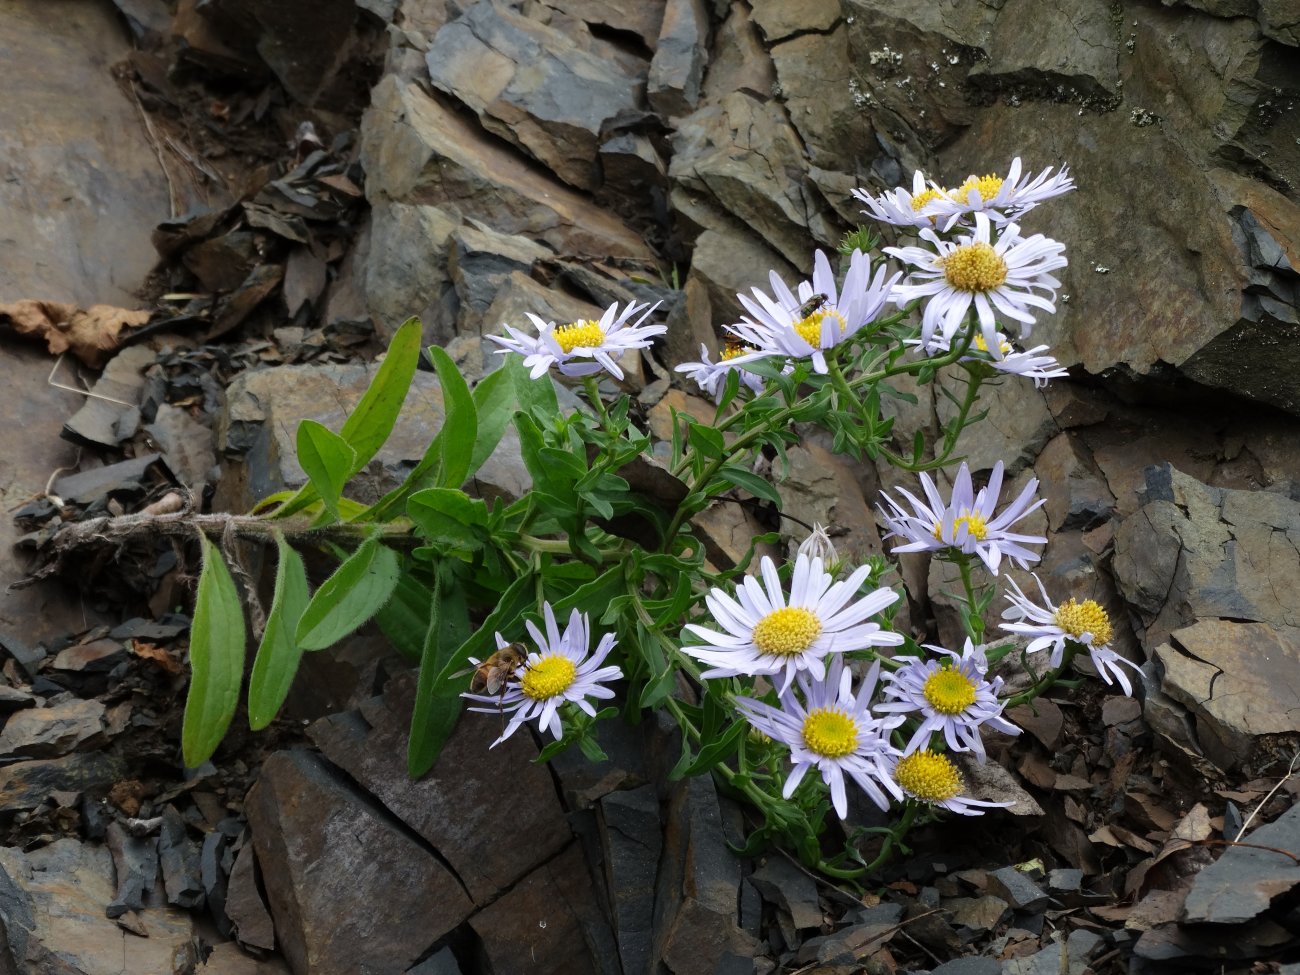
(459,432)
(494,399)
(751,482)
(327,459)
(706,440)
(434,716)
(405,617)
(373,419)
(534,395)
(216,659)
(448,517)
(278,654)
(715,751)
(355,592)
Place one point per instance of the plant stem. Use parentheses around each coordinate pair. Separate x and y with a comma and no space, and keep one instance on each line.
(974,622)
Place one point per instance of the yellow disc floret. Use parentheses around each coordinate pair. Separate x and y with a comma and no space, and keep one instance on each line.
(810,327)
(928,776)
(920,200)
(976,527)
(787,632)
(988,187)
(734,349)
(974,267)
(1003,345)
(830,733)
(949,691)
(1077,618)
(586,335)
(549,677)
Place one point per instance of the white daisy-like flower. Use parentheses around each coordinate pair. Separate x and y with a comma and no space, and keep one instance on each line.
(1002,356)
(834,731)
(998,277)
(582,348)
(1003,198)
(819,316)
(711,375)
(966,522)
(1048,625)
(918,208)
(765,634)
(933,779)
(558,672)
(952,696)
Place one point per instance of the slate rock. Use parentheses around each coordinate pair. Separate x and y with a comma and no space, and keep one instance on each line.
(783,884)
(673,85)
(227,959)
(25,785)
(698,891)
(13,699)
(631,839)
(980,914)
(135,865)
(95,657)
(53,731)
(457,808)
(822,487)
(417,150)
(16,923)
(969,966)
(442,962)
(1016,889)
(1075,493)
(215,878)
(546,922)
(1241,884)
(247,911)
(325,849)
(112,415)
(178,856)
(68,883)
(1069,957)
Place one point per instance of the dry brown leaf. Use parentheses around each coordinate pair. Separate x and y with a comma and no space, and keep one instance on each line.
(90,334)
(157,655)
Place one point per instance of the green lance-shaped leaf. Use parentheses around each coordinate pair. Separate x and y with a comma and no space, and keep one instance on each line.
(355,592)
(460,427)
(278,655)
(367,428)
(216,659)
(405,617)
(328,461)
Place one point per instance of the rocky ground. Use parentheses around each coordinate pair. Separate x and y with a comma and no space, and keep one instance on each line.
(220,210)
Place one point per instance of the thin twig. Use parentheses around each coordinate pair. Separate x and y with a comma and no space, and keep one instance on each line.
(1271,792)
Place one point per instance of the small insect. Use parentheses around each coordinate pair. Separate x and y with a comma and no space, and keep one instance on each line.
(494,673)
(812,304)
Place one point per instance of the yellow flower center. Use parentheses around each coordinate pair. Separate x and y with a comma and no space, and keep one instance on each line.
(920,201)
(830,733)
(787,632)
(974,267)
(1077,618)
(734,349)
(949,691)
(928,776)
(974,523)
(548,677)
(988,187)
(810,327)
(586,334)
(1003,345)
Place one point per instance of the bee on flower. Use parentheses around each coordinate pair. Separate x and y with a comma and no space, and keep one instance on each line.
(582,348)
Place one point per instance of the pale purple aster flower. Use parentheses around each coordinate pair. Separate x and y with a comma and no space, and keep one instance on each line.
(919,208)
(1002,356)
(582,348)
(558,672)
(1049,625)
(1003,198)
(762,633)
(932,778)
(966,522)
(710,376)
(999,277)
(834,731)
(953,696)
(820,316)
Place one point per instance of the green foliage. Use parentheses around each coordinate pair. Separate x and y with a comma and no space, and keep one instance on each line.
(278,654)
(216,659)
(356,591)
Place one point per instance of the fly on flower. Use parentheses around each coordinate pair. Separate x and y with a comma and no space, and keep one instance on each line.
(560,671)
(764,633)
(834,731)
(582,348)
(967,522)
(818,316)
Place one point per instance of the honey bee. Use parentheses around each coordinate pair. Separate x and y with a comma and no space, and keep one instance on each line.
(494,673)
(812,304)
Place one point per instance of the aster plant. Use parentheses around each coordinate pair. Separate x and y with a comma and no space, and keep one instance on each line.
(788,680)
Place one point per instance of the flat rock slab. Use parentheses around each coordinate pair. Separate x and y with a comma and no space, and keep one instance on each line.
(51,732)
(82,190)
(67,885)
(351,891)
(25,785)
(457,808)
(1239,886)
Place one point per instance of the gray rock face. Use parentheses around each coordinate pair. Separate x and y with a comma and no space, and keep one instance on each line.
(326,850)
(533,86)
(631,837)
(1240,885)
(673,87)
(51,732)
